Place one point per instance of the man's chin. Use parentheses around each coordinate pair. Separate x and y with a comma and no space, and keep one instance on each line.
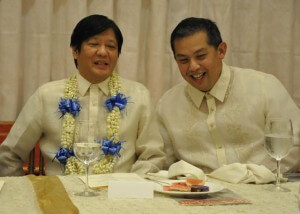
(98,77)
(201,87)
(198,84)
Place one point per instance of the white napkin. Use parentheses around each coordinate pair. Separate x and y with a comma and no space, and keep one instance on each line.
(243,173)
(180,170)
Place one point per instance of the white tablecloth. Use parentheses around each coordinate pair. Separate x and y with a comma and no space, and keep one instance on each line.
(18,196)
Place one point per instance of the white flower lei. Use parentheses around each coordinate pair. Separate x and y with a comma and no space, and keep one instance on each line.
(105,165)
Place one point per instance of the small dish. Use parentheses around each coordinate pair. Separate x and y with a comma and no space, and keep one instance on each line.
(213,187)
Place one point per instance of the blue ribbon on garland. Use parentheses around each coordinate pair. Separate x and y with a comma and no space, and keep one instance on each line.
(119,100)
(110,148)
(71,106)
(63,154)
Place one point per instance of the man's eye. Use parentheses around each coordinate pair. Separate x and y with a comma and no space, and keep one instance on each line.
(202,56)
(112,47)
(93,44)
(183,61)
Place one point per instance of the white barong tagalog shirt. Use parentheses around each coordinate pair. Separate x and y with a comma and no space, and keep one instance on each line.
(226,124)
(40,120)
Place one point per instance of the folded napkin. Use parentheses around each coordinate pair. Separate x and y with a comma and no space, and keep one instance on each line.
(232,173)
(180,170)
(243,173)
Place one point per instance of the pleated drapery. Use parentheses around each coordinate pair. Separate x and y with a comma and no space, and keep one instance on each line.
(35,37)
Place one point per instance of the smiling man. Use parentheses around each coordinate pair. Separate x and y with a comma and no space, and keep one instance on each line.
(218,115)
(117,109)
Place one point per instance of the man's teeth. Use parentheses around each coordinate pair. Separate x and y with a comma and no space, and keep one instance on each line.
(100,63)
(198,76)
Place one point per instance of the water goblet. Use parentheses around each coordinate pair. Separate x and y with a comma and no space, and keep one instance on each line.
(87,150)
(278,143)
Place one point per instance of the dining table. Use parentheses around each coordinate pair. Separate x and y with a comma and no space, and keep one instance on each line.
(18,196)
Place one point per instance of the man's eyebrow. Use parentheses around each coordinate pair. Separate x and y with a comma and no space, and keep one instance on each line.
(196,52)
(200,50)
(113,41)
(180,55)
(96,38)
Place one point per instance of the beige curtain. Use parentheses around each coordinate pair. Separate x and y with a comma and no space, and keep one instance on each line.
(35,36)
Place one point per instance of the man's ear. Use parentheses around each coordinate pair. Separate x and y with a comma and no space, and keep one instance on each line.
(222,50)
(74,52)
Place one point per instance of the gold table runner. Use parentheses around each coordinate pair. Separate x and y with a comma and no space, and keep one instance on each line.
(51,195)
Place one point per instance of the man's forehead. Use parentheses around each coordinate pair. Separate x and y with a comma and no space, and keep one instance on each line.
(107,32)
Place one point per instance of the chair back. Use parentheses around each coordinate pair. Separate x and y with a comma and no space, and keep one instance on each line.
(5,127)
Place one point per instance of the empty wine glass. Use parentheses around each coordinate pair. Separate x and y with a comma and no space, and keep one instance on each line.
(278,142)
(86,149)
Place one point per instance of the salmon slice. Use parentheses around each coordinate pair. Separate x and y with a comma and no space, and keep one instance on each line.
(177,186)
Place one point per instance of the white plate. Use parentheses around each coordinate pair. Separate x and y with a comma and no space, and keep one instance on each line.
(213,187)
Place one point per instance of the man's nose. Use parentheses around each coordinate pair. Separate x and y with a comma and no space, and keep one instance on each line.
(194,65)
(102,50)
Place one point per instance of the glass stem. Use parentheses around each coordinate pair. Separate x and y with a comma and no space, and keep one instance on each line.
(87,177)
(278,173)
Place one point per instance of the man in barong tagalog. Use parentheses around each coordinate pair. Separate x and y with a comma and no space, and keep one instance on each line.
(217,116)
(129,135)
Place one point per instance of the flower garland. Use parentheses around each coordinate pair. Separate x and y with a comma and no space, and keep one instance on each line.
(111,146)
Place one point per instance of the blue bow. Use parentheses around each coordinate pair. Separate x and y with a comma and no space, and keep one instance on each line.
(111,148)
(69,105)
(63,154)
(119,100)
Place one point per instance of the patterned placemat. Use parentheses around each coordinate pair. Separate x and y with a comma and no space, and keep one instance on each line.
(223,197)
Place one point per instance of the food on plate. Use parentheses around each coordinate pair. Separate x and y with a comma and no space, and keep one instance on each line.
(199,188)
(189,185)
(177,186)
(194,181)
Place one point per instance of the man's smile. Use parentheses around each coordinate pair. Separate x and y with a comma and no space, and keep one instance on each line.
(197,76)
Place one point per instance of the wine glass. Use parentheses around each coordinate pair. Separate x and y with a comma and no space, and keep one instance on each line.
(278,142)
(87,150)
